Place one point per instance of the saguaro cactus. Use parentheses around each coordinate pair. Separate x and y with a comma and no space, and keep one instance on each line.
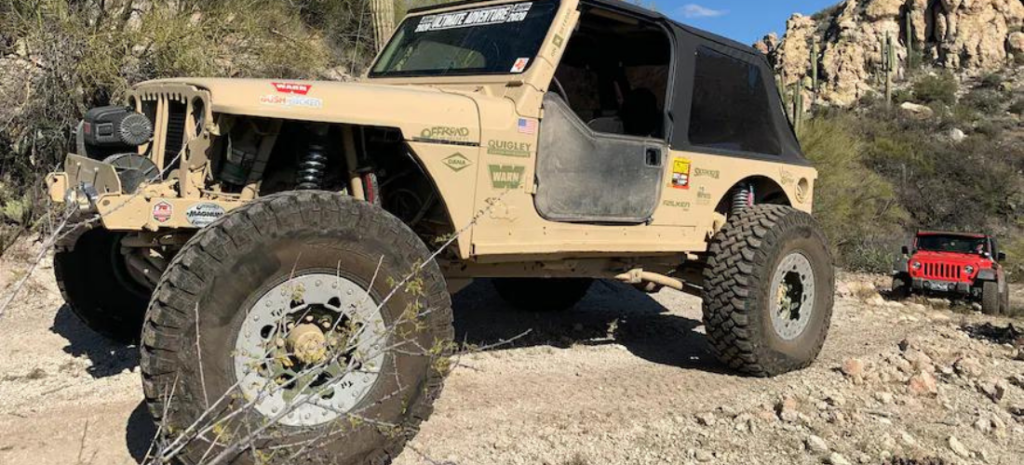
(910,38)
(383,13)
(815,52)
(888,66)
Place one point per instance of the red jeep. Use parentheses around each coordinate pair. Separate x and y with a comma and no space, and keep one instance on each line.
(958,264)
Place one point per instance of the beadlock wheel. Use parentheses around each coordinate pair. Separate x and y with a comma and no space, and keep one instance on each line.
(283,354)
(793,286)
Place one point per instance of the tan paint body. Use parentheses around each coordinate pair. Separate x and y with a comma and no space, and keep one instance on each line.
(457,127)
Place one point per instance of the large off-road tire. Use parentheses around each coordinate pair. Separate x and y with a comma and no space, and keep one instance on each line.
(900,289)
(542,294)
(96,284)
(275,262)
(1006,309)
(764,260)
(991,298)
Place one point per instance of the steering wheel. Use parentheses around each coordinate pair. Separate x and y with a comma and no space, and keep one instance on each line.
(561,91)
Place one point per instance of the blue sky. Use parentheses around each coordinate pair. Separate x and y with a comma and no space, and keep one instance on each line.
(744,20)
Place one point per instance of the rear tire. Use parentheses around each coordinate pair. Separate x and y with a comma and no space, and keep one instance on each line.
(991,300)
(900,287)
(542,294)
(768,291)
(96,284)
(354,258)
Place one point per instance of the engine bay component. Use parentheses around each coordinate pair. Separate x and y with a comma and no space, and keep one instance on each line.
(133,170)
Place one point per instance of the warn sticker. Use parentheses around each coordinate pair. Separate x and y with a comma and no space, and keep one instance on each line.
(292,88)
(506,176)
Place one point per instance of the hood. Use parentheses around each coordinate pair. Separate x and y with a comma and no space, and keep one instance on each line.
(420,112)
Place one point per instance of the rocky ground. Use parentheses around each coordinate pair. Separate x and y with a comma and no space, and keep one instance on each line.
(625,378)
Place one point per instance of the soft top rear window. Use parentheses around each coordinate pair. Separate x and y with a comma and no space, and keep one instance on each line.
(501,39)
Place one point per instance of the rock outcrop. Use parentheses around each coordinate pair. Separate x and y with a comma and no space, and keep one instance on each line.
(967,36)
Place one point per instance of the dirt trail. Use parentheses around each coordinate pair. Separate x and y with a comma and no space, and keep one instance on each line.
(625,378)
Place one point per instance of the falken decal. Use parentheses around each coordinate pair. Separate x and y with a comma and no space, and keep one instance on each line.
(677,204)
(202,214)
(162,212)
(508,148)
(292,88)
(506,176)
(457,162)
(681,173)
(478,17)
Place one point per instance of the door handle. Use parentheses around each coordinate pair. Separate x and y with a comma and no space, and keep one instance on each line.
(652,156)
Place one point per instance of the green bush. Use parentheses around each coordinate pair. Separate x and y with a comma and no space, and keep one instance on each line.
(985,100)
(992,81)
(1017,107)
(941,87)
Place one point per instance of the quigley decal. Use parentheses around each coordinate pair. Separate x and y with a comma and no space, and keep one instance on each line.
(507,148)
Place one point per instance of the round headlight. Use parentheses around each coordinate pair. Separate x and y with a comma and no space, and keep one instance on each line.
(917,265)
(969,269)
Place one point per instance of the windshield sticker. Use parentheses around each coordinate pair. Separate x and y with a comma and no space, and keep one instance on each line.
(520,65)
(681,173)
(479,17)
(506,177)
(507,148)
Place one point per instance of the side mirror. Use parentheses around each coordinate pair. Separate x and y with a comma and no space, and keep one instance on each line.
(906,250)
(1001,257)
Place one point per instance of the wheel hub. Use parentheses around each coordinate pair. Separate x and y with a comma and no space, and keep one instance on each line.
(793,292)
(310,349)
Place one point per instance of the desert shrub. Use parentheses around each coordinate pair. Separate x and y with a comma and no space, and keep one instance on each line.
(857,208)
(940,87)
(1014,250)
(984,100)
(1017,107)
(992,81)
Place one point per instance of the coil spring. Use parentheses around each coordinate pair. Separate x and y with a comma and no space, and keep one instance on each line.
(312,168)
(741,199)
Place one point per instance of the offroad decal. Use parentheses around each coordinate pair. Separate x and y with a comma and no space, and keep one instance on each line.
(202,214)
(162,212)
(558,40)
(479,17)
(294,101)
(506,176)
(520,65)
(677,204)
(457,162)
(445,133)
(527,126)
(292,88)
(703,196)
(507,148)
(681,173)
(703,173)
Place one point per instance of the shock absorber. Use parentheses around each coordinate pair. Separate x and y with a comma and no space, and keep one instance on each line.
(742,198)
(313,164)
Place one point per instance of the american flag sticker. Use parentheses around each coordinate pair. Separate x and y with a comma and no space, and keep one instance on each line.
(527,126)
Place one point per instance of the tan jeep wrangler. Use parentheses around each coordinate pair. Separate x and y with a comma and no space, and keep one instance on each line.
(272,239)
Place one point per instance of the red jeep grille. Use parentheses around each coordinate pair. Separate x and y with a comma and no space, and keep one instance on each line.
(943,271)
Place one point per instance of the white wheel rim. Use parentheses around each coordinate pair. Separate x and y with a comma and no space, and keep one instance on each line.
(792,296)
(310,393)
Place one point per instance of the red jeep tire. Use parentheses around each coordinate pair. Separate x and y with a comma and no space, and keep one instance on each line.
(991,298)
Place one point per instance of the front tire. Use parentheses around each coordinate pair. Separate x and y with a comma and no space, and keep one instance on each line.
(900,287)
(542,294)
(307,323)
(991,298)
(96,284)
(768,291)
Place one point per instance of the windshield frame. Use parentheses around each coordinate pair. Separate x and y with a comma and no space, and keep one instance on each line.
(466,73)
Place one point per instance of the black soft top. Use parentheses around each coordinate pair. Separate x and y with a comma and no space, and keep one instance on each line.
(687,40)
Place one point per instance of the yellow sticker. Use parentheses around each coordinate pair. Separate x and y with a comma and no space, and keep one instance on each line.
(681,173)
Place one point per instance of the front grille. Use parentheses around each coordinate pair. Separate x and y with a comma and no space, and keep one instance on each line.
(943,271)
(175,132)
